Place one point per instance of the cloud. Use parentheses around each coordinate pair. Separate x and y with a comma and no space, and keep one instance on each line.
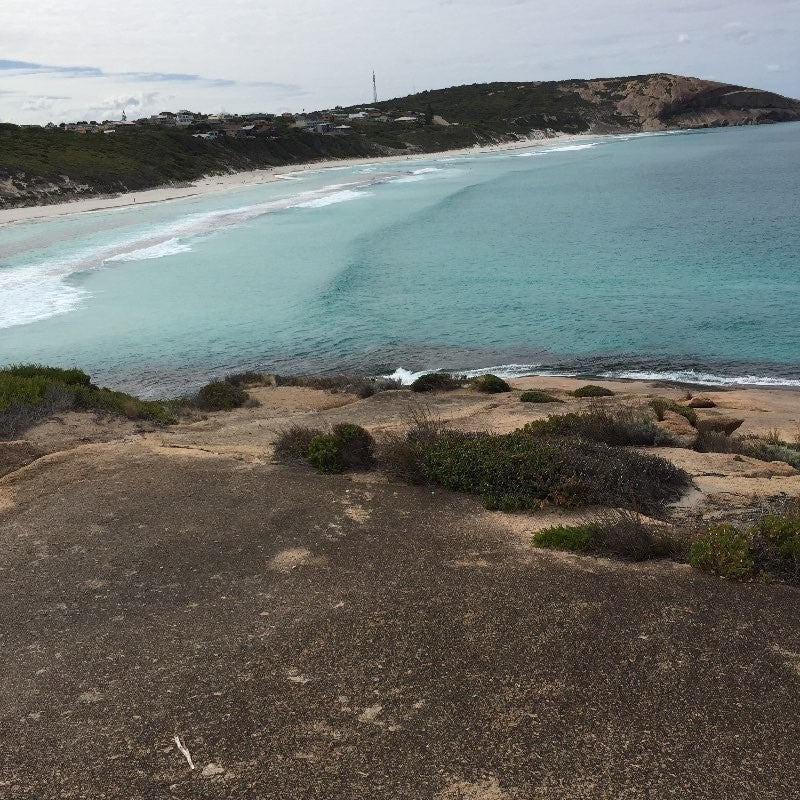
(736,32)
(43,103)
(774,68)
(684,38)
(30,68)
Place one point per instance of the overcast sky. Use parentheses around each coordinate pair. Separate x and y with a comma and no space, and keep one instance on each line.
(89,59)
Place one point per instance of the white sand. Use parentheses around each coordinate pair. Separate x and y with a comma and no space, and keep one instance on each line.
(217,183)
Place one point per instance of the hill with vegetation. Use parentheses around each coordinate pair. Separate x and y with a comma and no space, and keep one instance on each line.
(39,165)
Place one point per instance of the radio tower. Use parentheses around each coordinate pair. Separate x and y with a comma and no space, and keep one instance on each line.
(374,88)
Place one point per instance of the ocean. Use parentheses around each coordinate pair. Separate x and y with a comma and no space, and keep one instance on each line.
(662,256)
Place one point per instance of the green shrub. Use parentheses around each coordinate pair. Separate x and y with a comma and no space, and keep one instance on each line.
(351,384)
(519,471)
(356,446)
(31,392)
(324,454)
(15,390)
(69,377)
(292,444)
(722,550)
(347,446)
(660,405)
(573,538)
(538,397)
(776,543)
(590,390)
(632,538)
(490,384)
(625,536)
(618,428)
(435,382)
(762,448)
(221,396)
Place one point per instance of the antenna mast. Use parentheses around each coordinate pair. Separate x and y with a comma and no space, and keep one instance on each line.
(374,88)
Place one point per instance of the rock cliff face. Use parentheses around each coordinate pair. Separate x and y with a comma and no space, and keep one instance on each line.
(663,102)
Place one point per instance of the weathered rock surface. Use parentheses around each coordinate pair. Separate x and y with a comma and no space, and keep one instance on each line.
(701,402)
(718,423)
(679,427)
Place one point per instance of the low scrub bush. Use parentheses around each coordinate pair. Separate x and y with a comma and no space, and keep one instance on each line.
(490,384)
(776,543)
(762,448)
(618,428)
(243,379)
(769,549)
(538,397)
(632,538)
(660,405)
(722,550)
(573,538)
(435,382)
(292,444)
(590,390)
(349,384)
(346,446)
(221,396)
(625,536)
(519,471)
(324,454)
(32,392)
(356,446)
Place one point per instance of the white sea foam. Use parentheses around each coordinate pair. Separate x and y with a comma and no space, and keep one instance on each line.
(425,173)
(567,148)
(332,199)
(701,378)
(32,292)
(169,248)
(406,377)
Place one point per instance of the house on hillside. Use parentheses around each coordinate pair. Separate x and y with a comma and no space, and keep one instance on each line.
(184,118)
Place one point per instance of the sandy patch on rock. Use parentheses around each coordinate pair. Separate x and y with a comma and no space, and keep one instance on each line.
(487,789)
(293,558)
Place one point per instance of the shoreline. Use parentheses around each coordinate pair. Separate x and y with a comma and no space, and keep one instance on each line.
(211,184)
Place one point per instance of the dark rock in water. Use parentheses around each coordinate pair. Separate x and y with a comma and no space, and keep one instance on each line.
(719,424)
(701,402)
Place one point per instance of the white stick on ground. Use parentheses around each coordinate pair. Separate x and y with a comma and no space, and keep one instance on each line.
(185,751)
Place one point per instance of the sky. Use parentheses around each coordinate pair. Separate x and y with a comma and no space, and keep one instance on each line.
(90,59)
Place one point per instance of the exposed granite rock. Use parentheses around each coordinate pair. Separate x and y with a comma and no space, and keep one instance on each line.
(701,402)
(679,427)
(718,423)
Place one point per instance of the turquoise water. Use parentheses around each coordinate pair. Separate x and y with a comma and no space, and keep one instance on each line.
(675,256)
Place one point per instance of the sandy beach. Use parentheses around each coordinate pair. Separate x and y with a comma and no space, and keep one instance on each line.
(221,183)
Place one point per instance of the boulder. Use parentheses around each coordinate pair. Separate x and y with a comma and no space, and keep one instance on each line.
(679,427)
(701,402)
(718,423)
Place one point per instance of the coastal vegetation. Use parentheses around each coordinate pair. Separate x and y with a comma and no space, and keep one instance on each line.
(510,472)
(490,384)
(767,550)
(620,427)
(586,459)
(538,397)
(221,396)
(591,390)
(435,382)
(31,392)
(346,447)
